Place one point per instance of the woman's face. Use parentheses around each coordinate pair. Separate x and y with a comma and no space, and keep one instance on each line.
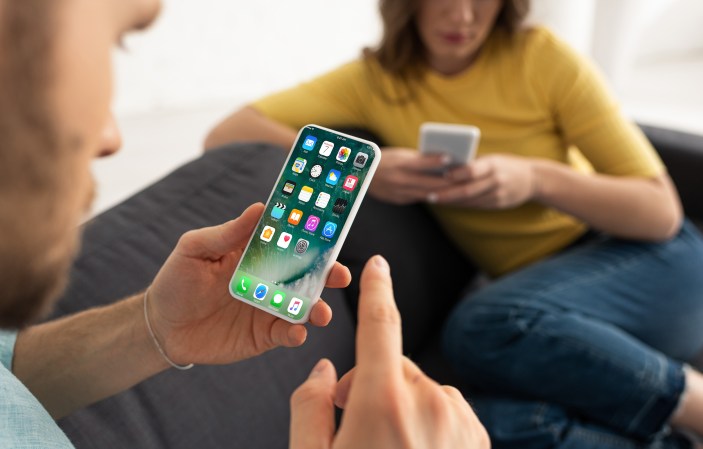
(453,31)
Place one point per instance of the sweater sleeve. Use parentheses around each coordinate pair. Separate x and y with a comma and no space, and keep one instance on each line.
(586,112)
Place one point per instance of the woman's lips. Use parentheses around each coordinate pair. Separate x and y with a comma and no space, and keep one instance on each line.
(454,38)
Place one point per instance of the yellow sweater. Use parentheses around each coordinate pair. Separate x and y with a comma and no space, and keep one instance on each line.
(529,94)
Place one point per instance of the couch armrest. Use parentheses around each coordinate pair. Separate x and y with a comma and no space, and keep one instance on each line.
(683,155)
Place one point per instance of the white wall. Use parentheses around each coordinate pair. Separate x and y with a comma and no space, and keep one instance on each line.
(677,32)
(620,33)
(572,20)
(208,51)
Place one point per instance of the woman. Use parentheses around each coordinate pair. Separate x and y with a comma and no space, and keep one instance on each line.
(582,338)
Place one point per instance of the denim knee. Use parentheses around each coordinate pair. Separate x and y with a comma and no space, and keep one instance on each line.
(474,334)
(518,350)
(525,424)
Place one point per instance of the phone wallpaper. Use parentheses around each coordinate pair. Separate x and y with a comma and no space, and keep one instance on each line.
(283,267)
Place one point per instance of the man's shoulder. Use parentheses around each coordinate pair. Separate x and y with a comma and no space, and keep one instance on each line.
(7,347)
(24,423)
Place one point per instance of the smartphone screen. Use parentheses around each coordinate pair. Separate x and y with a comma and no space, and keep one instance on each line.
(307,217)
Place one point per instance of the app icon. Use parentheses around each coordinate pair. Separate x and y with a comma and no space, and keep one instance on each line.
(312,223)
(326,148)
(261,291)
(322,200)
(295,216)
(278,210)
(309,143)
(333,177)
(301,246)
(242,286)
(329,229)
(343,154)
(295,306)
(284,240)
(350,183)
(288,188)
(305,194)
(277,299)
(299,165)
(339,205)
(267,233)
(316,171)
(360,160)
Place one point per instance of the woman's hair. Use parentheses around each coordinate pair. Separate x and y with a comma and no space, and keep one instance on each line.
(401,48)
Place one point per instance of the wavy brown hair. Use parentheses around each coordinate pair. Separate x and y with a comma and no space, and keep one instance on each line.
(401,50)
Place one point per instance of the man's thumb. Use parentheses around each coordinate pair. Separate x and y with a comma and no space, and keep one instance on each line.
(312,409)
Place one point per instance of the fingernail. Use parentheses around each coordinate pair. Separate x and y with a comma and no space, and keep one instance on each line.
(432,198)
(322,366)
(381,263)
(446,159)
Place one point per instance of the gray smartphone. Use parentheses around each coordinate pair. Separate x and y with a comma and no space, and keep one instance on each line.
(459,142)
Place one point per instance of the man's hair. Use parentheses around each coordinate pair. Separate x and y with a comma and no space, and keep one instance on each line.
(401,51)
(32,167)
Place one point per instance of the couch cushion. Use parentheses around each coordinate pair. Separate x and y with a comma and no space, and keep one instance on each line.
(429,273)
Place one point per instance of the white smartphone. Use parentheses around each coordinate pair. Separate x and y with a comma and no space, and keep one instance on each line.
(459,142)
(307,217)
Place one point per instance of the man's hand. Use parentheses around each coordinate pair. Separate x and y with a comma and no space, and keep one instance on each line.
(389,403)
(403,176)
(193,314)
(496,181)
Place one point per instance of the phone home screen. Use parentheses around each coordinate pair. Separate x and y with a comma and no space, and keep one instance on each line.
(283,267)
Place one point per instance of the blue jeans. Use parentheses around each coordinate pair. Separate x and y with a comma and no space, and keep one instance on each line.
(584,349)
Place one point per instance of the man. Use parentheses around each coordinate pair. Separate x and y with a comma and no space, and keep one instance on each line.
(55,91)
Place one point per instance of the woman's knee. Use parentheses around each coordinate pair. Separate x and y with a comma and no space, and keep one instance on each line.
(476,330)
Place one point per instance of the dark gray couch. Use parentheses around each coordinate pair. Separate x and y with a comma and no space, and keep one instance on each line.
(245,405)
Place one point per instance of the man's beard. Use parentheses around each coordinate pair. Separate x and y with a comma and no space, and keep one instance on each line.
(30,294)
(36,276)
(37,241)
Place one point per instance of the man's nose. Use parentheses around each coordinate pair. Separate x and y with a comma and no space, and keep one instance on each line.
(111,139)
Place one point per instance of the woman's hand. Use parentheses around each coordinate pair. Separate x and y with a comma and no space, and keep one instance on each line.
(496,181)
(404,176)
